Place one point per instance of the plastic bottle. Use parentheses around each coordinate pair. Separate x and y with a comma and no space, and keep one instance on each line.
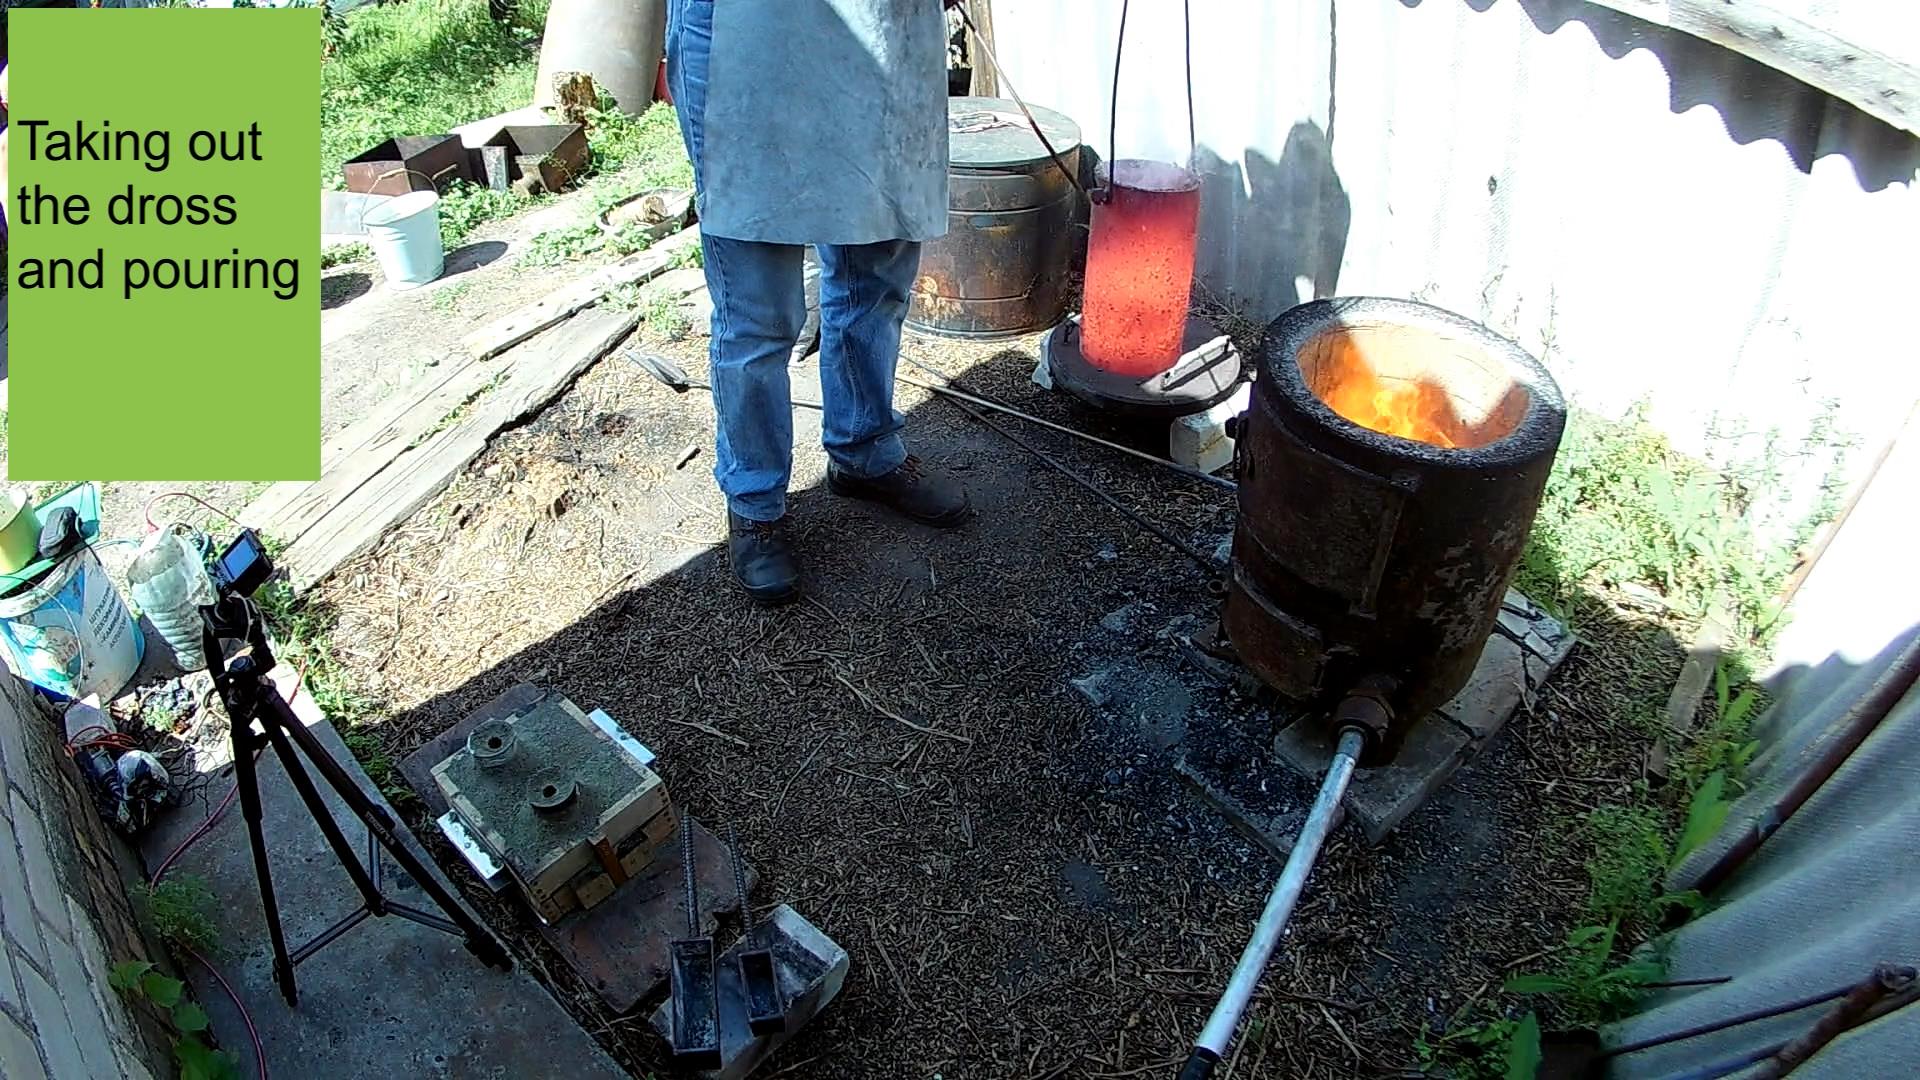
(169,583)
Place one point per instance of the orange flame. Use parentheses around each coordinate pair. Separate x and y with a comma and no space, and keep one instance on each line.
(1410,410)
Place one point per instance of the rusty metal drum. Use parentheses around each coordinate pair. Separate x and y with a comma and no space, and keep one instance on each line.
(1003,267)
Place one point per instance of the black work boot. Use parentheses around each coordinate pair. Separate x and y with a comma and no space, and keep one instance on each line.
(762,560)
(911,489)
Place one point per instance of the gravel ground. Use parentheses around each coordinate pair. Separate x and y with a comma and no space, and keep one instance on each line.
(1025,887)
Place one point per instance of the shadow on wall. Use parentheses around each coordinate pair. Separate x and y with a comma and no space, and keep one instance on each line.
(1285,223)
(1754,101)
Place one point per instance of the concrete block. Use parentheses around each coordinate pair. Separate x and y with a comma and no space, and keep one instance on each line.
(43,880)
(19,1055)
(1528,645)
(1042,375)
(9,988)
(56,1038)
(1379,799)
(811,967)
(83,1006)
(16,903)
(1200,440)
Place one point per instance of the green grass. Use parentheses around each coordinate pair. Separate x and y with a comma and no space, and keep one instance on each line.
(465,207)
(420,68)
(1624,511)
(649,148)
(342,254)
(180,911)
(665,319)
(303,637)
(1640,543)
(425,67)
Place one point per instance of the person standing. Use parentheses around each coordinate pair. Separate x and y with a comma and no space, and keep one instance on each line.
(819,122)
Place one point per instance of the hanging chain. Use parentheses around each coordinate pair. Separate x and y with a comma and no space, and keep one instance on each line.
(1113,105)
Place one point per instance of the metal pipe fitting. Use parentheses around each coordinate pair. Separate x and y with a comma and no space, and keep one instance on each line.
(1368,709)
(1214,1039)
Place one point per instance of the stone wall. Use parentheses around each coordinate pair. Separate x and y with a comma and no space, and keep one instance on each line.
(65,918)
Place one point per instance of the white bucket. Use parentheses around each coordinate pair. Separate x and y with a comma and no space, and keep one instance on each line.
(70,632)
(405,234)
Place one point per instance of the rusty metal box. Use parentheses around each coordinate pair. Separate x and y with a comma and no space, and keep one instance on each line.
(408,163)
(546,157)
(569,813)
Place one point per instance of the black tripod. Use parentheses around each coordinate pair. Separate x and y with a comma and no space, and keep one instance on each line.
(251,698)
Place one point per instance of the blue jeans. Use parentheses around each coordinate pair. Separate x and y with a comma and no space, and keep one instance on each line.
(759,307)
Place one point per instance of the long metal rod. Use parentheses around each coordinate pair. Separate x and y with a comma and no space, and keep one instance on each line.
(1842,737)
(1214,1039)
(1000,407)
(680,383)
(993,62)
(1711,1026)
(1201,558)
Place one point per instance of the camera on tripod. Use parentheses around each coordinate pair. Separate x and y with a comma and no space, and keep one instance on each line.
(251,698)
(243,566)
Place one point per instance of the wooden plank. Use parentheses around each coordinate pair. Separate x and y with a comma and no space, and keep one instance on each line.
(401,476)
(1819,47)
(263,511)
(539,372)
(357,453)
(519,325)
(294,514)
(986,81)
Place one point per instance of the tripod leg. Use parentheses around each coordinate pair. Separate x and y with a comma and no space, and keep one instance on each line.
(480,941)
(246,779)
(317,808)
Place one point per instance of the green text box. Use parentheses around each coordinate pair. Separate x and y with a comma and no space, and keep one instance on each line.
(135,380)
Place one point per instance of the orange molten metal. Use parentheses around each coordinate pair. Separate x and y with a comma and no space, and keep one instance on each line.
(1419,411)
(1140,268)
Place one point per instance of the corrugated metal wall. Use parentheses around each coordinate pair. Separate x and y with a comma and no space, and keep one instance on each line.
(1823,900)
(1661,219)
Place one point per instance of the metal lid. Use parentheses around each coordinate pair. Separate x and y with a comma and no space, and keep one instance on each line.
(987,133)
(1209,379)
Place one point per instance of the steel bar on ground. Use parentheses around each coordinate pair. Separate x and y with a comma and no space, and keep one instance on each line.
(988,403)
(1214,1039)
(1200,557)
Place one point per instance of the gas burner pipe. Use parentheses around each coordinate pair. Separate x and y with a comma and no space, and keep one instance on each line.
(1211,1046)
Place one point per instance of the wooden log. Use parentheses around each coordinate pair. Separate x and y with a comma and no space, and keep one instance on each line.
(540,372)
(519,325)
(575,95)
(421,455)
(986,82)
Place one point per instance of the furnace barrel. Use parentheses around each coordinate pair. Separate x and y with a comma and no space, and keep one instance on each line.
(1003,268)
(1360,553)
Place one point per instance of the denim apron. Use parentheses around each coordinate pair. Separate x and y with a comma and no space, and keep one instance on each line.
(814,121)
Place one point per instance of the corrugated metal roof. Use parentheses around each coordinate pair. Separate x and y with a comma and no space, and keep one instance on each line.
(1821,902)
